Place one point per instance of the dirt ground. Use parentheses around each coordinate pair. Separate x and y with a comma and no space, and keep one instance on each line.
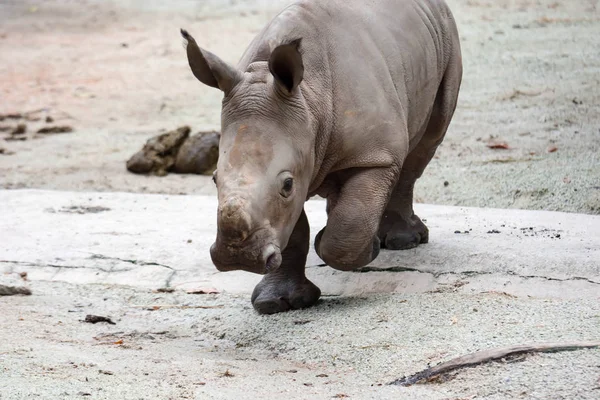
(181,346)
(117,73)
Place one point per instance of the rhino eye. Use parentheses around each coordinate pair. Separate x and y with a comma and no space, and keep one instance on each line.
(288,185)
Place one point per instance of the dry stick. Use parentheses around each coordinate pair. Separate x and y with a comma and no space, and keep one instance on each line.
(485,356)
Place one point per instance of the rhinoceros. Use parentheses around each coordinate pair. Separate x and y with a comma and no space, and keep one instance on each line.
(344,99)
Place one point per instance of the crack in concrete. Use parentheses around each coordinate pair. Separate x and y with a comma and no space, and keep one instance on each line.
(471,273)
(361,270)
(100,257)
(135,262)
(390,269)
(573,278)
(32,264)
(111,270)
(142,263)
(409,269)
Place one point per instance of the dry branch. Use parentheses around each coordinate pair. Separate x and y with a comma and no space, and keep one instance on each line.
(486,356)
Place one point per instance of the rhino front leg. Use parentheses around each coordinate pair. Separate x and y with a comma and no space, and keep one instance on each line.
(287,288)
(350,240)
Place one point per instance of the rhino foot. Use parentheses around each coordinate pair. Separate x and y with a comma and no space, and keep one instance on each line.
(399,234)
(344,259)
(274,294)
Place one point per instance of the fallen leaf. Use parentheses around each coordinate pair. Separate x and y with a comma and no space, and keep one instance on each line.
(552,149)
(11,116)
(302,322)
(454,320)
(55,129)
(202,291)
(15,138)
(165,290)
(227,374)
(94,319)
(497,145)
(120,341)
(105,372)
(19,130)
(500,293)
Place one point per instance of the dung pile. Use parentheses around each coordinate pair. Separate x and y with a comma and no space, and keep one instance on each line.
(177,152)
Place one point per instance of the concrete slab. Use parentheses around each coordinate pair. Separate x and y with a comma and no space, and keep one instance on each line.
(537,280)
(159,240)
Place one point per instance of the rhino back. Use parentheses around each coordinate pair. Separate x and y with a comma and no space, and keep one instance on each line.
(368,65)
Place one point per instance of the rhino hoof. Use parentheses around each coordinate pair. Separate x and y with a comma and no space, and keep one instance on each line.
(272,296)
(404,237)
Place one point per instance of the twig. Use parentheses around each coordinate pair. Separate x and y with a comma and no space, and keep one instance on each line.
(486,356)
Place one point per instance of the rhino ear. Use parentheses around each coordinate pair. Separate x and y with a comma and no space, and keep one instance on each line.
(285,63)
(208,68)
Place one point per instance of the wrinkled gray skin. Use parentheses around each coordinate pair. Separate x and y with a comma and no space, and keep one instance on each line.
(347,99)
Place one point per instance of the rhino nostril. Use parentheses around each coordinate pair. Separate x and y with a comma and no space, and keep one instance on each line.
(272,257)
(270,262)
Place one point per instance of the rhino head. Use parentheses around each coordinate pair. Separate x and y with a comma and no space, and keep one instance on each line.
(266,155)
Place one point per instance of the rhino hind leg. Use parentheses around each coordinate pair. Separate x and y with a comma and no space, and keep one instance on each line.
(400,228)
(287,288)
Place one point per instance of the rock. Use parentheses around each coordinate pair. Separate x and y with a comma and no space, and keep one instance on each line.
(198,154)
(14,290)
(159,153)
